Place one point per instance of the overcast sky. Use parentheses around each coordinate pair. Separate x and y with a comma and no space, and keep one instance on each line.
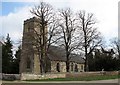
(14,12)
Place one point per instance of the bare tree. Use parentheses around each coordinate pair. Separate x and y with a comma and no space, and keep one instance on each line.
(90,36)
(115,43)
(44,31)
(67,24)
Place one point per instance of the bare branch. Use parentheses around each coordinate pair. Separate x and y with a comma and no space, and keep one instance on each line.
(91,37)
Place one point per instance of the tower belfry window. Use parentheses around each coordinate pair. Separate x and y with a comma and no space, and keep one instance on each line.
(29,29)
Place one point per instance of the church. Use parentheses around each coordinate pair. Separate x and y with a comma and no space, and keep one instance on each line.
(30,63)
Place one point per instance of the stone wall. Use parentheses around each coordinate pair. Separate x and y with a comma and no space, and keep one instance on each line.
(54,65)
(112,73)
(45,76)
(36,69)
(28,76)
(10,76)
(80,67)
(63,66)
(64,75)
(82,74)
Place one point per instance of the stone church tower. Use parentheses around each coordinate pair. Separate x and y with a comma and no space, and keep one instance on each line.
(29,58)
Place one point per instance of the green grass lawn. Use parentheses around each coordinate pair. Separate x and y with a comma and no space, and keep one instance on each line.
(87,78)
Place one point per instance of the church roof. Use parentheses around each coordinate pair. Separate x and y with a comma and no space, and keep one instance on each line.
(56,53)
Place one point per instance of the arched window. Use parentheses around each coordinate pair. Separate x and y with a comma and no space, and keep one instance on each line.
(71,66)
(76,68)
(58,67)
(81,67)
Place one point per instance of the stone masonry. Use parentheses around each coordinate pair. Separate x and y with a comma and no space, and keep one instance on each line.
(28,49)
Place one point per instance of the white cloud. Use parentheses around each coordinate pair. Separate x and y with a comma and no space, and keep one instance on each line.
(19,0)
(13,22)
(34,0)
(106,11)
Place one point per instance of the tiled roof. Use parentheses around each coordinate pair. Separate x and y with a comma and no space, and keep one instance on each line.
(58,54)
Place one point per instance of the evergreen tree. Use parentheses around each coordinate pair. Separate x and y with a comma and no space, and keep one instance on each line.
(91,62)
(7,56)
(102,60)
(17,61)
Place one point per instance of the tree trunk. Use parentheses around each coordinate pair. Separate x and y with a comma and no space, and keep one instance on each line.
(86,63)
(67,62)
(67,66)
